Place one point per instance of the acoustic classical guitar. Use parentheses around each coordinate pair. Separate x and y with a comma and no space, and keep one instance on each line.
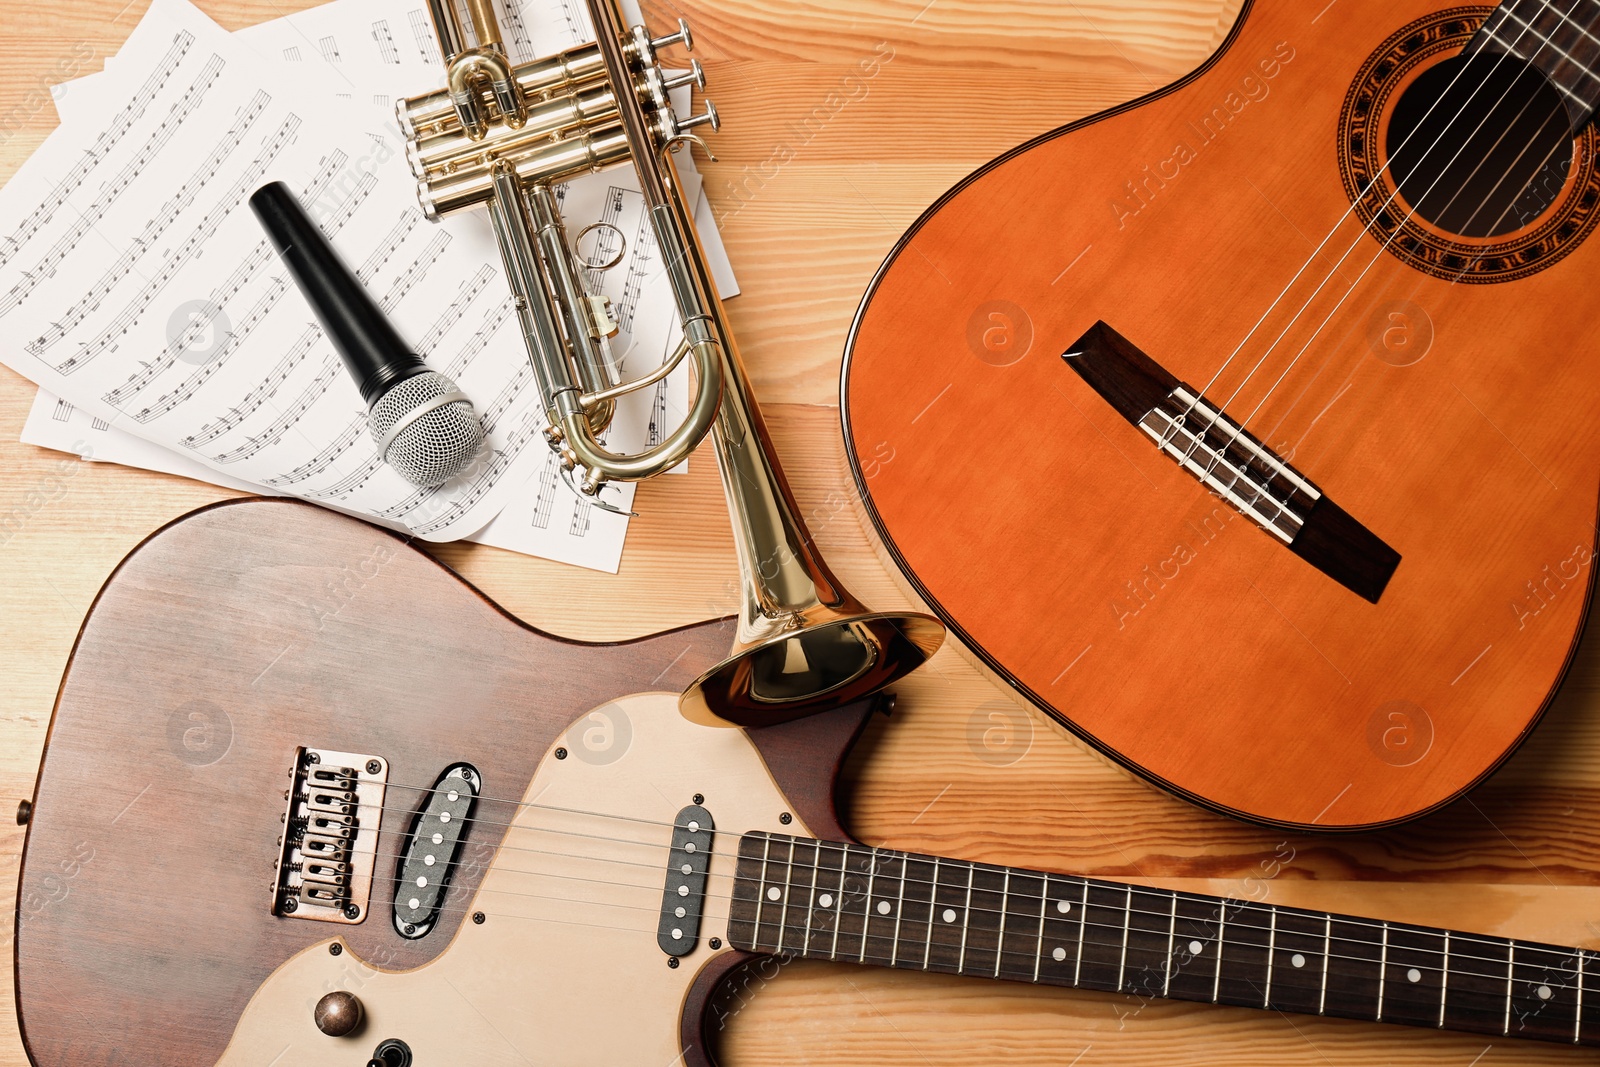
(1248,428)
(308,798)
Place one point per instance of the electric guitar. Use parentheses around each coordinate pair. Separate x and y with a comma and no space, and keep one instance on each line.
(1247,429)
(308,798)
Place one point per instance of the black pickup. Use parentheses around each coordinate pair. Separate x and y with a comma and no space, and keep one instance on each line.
(688,865)
(431,848)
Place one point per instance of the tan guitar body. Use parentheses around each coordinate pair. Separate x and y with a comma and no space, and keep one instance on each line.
(1453,418)
(565,968)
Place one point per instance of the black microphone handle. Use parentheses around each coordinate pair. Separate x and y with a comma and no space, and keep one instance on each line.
(373,352)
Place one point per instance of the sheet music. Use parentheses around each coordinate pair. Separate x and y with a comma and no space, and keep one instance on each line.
(355,40)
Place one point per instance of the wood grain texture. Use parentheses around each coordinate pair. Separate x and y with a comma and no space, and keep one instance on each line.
(960,769)
(1119,592)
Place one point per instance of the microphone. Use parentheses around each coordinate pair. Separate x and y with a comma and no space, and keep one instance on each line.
(425,426)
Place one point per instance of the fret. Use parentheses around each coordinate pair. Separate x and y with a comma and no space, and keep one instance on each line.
(966,922)
(1148,961)
(1299,961)
(986,897)
(1192,968)
(856,875)
(1105,932)
(1172,934)
(769,904)
(1383,970)
(1355,968)
(830,887)
(1577,1020)
(831,900)
(1565,48)
(1061,930)
(883,907)
(1005,903)
(794,917)
(949,920)
(1242,967)
(1476,999)
(1544,992)
(743,905)
(1022,932)
(914,940)
(1414,975)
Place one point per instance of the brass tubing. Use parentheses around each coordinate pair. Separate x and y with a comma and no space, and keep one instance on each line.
(552,162)
(433,113)
(444,155)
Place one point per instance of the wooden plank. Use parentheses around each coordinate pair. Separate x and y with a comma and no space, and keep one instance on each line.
(1521,858)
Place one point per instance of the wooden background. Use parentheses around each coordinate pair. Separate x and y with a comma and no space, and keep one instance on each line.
(969,79)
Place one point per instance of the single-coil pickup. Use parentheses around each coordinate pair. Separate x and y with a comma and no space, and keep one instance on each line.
(688,866)
(432,848)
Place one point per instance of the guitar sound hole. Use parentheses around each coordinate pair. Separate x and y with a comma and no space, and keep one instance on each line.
(1480,147)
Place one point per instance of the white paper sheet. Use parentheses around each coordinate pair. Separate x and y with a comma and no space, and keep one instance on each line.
(548,523)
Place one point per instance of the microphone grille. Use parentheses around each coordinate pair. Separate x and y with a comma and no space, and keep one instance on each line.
(428,442)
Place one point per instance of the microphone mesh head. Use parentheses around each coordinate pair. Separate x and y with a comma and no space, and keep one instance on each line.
(436,445)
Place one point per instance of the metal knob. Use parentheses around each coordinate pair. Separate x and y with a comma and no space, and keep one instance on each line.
(709,118)
(24,812)
(695,77)
(683,35)
(338,1013)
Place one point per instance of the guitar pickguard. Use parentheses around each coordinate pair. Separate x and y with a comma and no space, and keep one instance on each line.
(565,966)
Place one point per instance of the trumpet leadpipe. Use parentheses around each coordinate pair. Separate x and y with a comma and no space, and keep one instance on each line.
(546,161)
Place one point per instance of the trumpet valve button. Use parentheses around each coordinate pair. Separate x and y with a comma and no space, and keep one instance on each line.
(338,1013)
(695,76)
(683,36)
(708,118)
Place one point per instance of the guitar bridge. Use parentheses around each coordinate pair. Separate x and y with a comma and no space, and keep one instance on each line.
(1234,465)
(330,836)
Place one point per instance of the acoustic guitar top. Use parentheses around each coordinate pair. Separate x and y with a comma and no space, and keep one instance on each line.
(1248,429)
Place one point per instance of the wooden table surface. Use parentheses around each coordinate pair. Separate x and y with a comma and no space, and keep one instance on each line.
(968,79)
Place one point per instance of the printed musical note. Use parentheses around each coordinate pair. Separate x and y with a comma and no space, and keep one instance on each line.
(385,40)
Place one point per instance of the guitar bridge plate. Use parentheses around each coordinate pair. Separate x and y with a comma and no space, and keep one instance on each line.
(329,846)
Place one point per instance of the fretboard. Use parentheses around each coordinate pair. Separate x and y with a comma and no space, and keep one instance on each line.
(1559,37)
(823,900)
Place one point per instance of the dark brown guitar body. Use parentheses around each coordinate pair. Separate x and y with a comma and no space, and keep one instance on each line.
(220,644)
(1438,390)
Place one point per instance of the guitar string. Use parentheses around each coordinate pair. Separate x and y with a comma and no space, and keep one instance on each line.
(840,848)
(1083,925)
(843,852)
(1559,115)
(1366,230)
(1220,410)
(1372,184)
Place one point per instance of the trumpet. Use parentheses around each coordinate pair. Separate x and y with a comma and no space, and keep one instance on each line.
(502,136)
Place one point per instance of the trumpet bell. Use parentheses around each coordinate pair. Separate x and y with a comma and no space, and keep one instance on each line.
(819,666)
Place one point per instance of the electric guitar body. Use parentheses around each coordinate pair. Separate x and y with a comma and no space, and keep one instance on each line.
(1247,429)
(309,798)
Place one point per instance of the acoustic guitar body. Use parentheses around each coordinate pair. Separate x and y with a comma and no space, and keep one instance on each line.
(1423,398)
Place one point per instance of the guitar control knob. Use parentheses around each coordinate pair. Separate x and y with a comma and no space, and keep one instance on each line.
(338,1013)
(683,36)
(709,118)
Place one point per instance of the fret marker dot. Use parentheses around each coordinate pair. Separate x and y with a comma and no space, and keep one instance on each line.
(1413,975)
(825,900)
(1195,948)
(1063,906)
(1297,960)
(1058,954)
(949,915)
(774,893)
(1544,992)
(883,907)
